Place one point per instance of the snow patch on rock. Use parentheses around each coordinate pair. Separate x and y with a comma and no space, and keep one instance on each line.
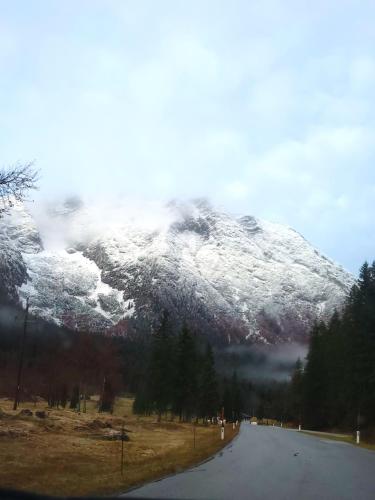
(106,263)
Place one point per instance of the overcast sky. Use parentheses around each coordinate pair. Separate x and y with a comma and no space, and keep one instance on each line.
(265,107)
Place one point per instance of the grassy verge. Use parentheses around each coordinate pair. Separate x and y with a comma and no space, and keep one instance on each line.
(67,453)
(346,438)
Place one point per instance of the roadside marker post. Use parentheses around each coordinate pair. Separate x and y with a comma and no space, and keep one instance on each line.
(358,437)
(222,424)
(299,427)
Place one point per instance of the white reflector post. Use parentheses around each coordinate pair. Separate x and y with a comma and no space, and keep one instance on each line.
(222,433)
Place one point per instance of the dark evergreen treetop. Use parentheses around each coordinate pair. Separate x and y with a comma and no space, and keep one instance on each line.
(339,378)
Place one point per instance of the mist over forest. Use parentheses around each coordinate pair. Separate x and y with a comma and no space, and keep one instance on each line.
(259,362)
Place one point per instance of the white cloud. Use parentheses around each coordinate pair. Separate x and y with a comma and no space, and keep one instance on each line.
(322,151)
(273,98)
(362,73)
(264,106)
(237,189)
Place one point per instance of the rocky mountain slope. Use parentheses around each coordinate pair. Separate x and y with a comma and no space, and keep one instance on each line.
(238,279)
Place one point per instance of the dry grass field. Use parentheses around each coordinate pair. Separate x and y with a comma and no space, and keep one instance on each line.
(346,438)
(70,453)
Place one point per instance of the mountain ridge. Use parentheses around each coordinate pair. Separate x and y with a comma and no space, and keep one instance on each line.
(239,278)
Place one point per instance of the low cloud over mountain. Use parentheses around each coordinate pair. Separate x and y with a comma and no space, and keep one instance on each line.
(238,279)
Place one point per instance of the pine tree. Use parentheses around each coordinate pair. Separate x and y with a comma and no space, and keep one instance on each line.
(186,383)
(315,386)
(237,403)
(108,397)
(142,403)
(364,347)
(74,400)
(296,392)
(208,392)
(232,399)
(161,373)
(64,395)
(339,379)
(227,401)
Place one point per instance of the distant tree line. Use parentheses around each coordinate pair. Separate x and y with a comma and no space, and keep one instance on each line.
(61,366)
(336,388)
(168,371)
(181,379)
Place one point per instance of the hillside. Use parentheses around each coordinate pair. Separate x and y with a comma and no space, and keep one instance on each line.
(237,278)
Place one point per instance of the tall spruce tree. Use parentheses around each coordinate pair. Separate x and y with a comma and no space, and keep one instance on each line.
(237,402)
(162,373)
(339,380)
(108,397)
(232,399)
(74,400)
(208,391)
(186,403)
(315,380)
(296,393)
(364,345)
(142,402)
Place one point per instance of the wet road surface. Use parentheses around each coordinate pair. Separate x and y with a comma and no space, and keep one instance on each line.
(273,463)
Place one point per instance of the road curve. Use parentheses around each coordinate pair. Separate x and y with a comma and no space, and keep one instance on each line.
(273,463)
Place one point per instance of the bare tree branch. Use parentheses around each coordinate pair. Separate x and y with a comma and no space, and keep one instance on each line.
(15,181)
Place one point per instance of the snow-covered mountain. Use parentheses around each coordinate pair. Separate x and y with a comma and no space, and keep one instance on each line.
(238,278)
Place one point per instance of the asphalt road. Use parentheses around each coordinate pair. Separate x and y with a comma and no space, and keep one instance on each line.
(273,463)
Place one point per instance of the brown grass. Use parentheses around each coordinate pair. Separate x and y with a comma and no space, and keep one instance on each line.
(65,454)
(346,438)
